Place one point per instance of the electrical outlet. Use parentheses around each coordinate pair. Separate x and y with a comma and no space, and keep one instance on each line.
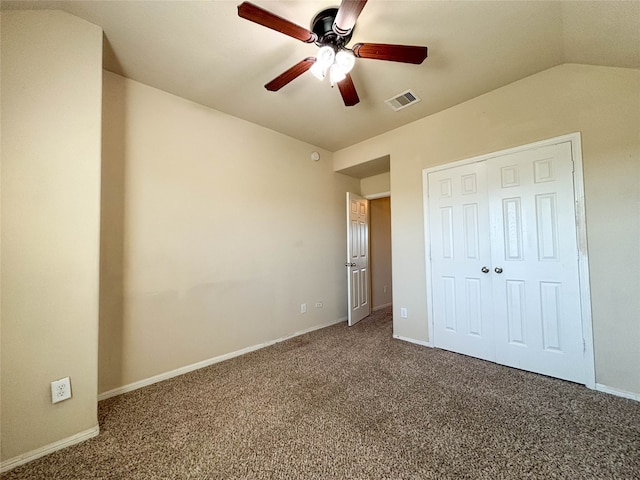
(303,308)
(403,312)
(384,289)
(318,304)
(60,390)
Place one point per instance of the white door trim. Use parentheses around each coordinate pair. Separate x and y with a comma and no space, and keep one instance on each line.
(581,232)
(375,196)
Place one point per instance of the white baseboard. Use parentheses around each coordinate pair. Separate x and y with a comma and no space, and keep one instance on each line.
(412,340)
(206,363)
(47,449)
(380,307)
(618,392)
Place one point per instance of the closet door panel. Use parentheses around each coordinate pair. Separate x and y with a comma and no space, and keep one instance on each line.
(536,298)
(459,233)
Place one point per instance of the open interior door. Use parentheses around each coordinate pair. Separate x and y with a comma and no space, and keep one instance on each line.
(357,258)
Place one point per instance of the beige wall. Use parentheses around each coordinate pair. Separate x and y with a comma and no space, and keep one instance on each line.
(380,251)
(51,103)
(375,185)
(214,231)
(604,105)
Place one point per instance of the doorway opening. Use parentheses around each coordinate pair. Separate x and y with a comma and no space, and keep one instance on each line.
(371,289)
(380,252)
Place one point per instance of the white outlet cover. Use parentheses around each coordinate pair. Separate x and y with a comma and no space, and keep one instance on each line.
(61,390)
(403,312)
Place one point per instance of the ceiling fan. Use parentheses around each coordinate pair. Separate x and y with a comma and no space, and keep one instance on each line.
(331,30)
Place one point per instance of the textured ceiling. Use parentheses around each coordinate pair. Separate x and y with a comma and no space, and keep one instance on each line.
(202,51)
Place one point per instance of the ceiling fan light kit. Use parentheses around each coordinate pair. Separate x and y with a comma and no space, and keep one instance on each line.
(324,59)
(331,30)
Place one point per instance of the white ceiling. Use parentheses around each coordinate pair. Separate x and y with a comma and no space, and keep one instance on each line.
(202,51)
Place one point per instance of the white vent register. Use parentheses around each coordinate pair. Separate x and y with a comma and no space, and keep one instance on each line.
(403,100)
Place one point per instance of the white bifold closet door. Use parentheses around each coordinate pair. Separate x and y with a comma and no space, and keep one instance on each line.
(504,261)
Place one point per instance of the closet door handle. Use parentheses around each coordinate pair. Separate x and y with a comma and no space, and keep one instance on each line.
(498,270)
(485,270)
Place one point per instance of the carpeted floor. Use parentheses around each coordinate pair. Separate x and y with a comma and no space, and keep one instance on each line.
(353,403)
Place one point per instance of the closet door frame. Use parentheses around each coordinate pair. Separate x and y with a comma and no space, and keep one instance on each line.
(581,234)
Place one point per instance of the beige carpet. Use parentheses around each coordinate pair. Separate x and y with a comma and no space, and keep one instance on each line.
(352,403)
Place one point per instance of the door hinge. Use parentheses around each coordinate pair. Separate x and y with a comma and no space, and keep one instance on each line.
(584,345)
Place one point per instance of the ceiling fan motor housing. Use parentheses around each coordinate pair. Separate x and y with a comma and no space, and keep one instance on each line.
(322,26)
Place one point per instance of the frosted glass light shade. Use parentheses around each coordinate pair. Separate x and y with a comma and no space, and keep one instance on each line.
(326,56)
(318,70)
(336,74)
(337,64)
(345,60)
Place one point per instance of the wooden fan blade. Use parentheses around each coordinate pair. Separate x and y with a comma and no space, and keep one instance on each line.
(267,19)
(347,15)
(291,74)
(348,91)
(394,53)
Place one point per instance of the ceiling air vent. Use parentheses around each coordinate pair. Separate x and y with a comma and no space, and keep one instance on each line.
(403,100)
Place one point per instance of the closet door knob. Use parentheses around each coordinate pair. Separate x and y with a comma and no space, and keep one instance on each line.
(498,270)
(485,269)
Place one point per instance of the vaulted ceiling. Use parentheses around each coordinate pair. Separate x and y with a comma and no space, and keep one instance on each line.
(202,51)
